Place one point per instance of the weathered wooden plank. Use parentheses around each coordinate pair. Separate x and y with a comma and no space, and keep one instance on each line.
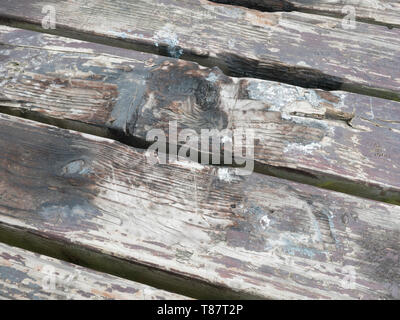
(385,12)
(99,202)
(297,48)
(26,275)
(336,140)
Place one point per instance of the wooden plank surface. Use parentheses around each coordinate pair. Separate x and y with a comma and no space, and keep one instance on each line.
(26,275)
(98,202)
(297,48)
(385,12)
(336,140)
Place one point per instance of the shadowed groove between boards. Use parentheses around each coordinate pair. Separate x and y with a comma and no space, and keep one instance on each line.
(131,270)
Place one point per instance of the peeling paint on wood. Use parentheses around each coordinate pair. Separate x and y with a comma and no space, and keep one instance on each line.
(257,236)
(336,140)
(297,48)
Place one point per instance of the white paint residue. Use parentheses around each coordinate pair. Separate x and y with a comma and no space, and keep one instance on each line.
(317,237)
(66,49)
(276,96)
(309,121)
(302,64)
(274,49)
(212,77)
(227,175)
(312,98)
(265,221)
(167,36)
(102,61)
(94,138)
(342,97)
(137,35)
(372,112)
(306,149)
(121,35)
(373,4)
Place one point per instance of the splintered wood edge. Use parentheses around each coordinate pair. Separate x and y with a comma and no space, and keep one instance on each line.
(203,226)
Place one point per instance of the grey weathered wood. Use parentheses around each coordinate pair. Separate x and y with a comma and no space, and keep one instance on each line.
(26,275)
(100,203)
(336,140)
(303,49)
(385,12)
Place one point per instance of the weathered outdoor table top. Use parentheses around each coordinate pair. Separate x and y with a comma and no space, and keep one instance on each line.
(88,210)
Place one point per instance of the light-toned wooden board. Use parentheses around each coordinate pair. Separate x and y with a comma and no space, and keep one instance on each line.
(385,12)
(336,140)
(100,203)
(26,275)
(297,48)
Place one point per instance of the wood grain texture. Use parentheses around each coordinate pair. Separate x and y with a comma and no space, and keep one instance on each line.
(297,48)
(385,12)
(336,140)
(26,275)
(244,236)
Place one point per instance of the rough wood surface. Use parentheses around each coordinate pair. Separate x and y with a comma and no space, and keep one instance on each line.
(385,12)
(26,275)
(297,48)
(100,202)
(336,140)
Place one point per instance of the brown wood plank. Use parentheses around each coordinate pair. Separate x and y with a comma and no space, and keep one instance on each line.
(100,203)
(26,275)
(297,48)
(336,140)
(385,12)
